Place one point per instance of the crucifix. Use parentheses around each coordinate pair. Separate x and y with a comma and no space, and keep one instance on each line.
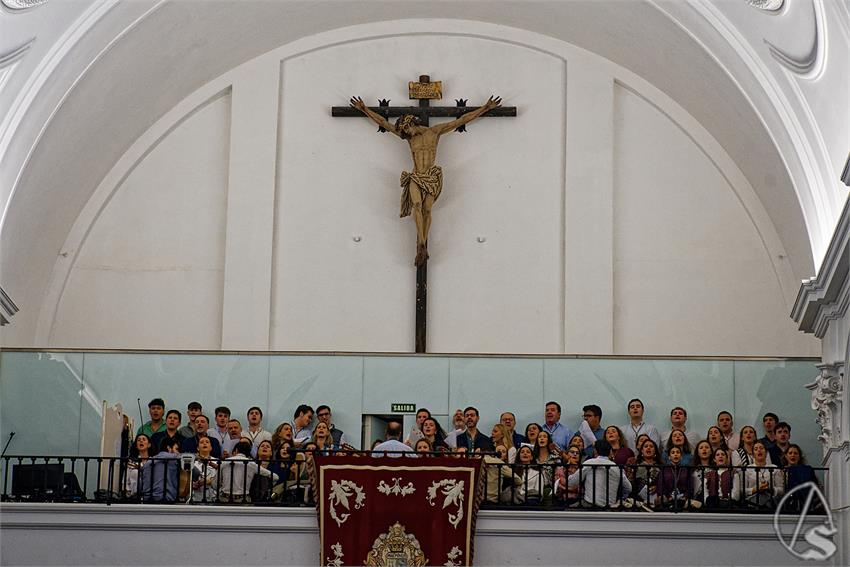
(422,186)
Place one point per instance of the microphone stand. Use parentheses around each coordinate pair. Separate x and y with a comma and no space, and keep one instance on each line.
(11,434)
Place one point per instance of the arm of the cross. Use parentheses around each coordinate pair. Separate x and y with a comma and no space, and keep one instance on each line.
(431,111)
(458,124)
(378,116)
(423,112)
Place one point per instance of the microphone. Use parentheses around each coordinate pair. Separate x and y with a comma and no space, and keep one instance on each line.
(141,416)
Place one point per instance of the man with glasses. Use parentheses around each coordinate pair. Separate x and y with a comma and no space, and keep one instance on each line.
(473,439)
(590,428)
(323,412)
(508,419)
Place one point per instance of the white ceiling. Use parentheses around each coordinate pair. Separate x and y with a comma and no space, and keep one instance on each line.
(100,73)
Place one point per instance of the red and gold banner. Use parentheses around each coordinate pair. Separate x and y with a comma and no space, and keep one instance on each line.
(397,511)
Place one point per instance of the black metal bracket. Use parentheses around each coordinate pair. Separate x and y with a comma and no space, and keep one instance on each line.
(461,103)
(384,102)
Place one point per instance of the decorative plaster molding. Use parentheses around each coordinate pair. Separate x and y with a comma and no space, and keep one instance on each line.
(842,450)
(767,5)
(42,73)
(21,5)
(826,401)
(811,65)
(7,308)
(825,297)
(107,189)
(814,204)
(10,57)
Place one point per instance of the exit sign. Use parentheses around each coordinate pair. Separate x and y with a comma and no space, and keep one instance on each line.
(403,408)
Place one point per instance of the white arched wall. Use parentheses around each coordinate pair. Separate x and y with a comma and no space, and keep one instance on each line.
(155,252)
(570,261)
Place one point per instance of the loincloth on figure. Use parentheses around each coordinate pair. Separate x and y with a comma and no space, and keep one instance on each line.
(431,182)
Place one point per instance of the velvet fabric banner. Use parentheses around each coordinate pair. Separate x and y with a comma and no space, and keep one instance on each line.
(397,511)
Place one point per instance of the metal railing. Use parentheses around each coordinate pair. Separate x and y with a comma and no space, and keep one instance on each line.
(645,487)
(183,478)
(159,479)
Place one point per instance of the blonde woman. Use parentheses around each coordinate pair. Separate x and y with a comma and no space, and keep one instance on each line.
(323,440)
(501,435)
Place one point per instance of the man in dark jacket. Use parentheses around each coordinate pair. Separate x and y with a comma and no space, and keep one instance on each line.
(473,439)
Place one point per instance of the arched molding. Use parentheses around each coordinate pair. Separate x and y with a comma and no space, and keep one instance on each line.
(104,193)
(9,61)
(709,146)
(786,130)
(735,180)
(46,68)
(15,54)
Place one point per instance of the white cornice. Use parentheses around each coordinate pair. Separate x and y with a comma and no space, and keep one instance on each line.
(248,519)
(825,297)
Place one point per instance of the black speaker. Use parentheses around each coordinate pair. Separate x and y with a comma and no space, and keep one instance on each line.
(38,482)
(45,482)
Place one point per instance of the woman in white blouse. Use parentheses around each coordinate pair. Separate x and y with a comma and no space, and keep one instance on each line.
(761,483)
(743,455)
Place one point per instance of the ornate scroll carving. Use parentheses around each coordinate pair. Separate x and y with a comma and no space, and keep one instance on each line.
(826,401)
(767,5)
(18,5)
(810,65)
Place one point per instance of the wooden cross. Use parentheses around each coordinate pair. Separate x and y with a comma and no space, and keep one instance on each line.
(424,90)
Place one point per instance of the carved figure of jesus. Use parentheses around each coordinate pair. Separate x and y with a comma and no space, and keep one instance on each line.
(422,186)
